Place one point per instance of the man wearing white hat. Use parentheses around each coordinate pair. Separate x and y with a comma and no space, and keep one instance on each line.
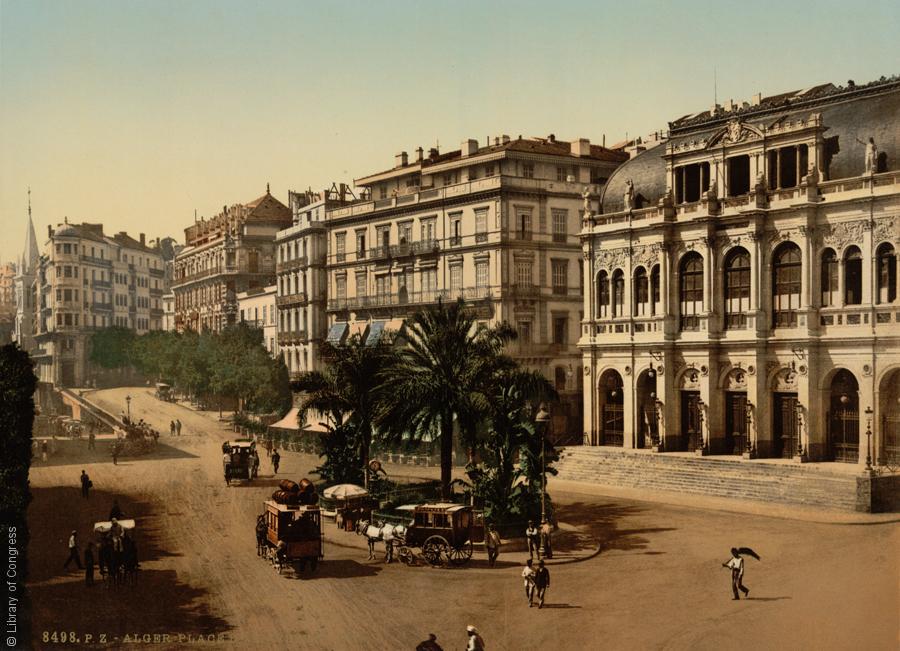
(475,642)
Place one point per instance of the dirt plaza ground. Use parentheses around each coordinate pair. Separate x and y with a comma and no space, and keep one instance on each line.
(656,581)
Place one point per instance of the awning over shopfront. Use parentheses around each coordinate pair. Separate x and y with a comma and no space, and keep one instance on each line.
(375,331)
(336,333)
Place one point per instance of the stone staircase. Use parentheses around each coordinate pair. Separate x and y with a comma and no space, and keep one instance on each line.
(815,486)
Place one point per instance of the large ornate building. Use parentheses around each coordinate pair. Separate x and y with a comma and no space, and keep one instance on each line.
(302,281)
(742,283)
(496,225)
(85,281)
(232,252)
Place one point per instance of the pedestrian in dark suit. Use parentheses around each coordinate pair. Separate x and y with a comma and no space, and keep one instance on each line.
(86,484)
(541,582)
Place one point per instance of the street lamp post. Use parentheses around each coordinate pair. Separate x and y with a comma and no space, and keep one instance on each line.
(869,439)
(541,420)
(749,407)
(128,404)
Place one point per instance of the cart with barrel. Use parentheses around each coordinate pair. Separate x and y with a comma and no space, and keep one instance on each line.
(293,525)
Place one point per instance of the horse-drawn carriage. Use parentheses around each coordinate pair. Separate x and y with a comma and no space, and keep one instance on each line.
(290,529)
(117,552)
(164,392)
(445,532)
(240,460)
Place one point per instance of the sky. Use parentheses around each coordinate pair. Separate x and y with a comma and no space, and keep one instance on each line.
(136,114)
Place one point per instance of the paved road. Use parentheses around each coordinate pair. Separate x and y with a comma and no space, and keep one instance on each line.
(657,584)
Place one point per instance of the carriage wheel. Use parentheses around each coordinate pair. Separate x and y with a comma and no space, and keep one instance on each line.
(436,550)
(461,555)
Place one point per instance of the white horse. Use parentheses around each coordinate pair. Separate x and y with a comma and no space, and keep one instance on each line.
(374,532)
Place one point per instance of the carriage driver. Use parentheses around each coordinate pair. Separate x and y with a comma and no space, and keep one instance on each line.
(115,534)
(226,461)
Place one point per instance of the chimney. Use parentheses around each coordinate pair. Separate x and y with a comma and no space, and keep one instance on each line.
(581,147)
(504,139)
(419,154)
(401,159)
(552,137)
(143,240)
(342,192)
(433,153)
(730,106)
(496,140)
(756,100)
(468,147)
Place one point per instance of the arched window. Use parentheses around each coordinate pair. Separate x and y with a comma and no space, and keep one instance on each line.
(654,290)
(737,288)
(829,278)
(618,292)
(641,292)
(603,295)
(690,289)
(887,273)
(852,276)
(786,271)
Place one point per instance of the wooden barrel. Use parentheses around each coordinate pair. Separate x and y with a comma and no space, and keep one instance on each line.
(289,486)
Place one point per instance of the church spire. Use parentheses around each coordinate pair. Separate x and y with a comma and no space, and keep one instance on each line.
(30,252)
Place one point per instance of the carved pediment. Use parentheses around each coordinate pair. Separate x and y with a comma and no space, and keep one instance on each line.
(734,132)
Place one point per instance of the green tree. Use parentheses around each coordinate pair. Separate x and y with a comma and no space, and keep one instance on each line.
(349,390)
(112,347)
(17,386)
(509,478)
(443,377)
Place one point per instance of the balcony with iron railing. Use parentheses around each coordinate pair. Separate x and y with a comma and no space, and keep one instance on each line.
(292,265)
(297,298)
(101,284)
(156,292)
(99,306)
(423,297)
(290,337)
(94,260)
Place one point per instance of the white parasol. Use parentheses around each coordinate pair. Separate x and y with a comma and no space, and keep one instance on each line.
(104,527)
(344,492)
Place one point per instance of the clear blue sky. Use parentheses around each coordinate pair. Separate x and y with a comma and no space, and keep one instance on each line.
(136,113)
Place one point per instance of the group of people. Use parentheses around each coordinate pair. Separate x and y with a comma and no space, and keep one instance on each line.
(539,539)
(115,549)
(536,581)
(474,641)
(175,427)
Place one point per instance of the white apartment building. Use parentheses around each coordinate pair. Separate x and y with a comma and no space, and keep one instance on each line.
(496,224)
(256,308)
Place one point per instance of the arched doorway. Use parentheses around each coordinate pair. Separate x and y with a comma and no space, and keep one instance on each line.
(889,410)
(612,412)
(691,435)
(786,442)
(735,439)
(647,416)
(843,418)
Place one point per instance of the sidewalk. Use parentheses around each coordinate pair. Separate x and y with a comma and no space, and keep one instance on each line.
(559,487)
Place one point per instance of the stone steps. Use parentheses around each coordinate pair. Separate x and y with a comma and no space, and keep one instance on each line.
(765,482)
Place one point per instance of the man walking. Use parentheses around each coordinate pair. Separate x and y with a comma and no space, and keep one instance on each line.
(178,426)
(531,535)
(172,427)
(430,644)
(73,552)
(276,459)
(492,543)
(89,564)
(86,484)
(475,643)
(528,574)
(541,582)
(736,564)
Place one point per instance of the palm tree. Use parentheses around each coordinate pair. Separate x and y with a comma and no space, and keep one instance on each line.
(348,390)
(443,376)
